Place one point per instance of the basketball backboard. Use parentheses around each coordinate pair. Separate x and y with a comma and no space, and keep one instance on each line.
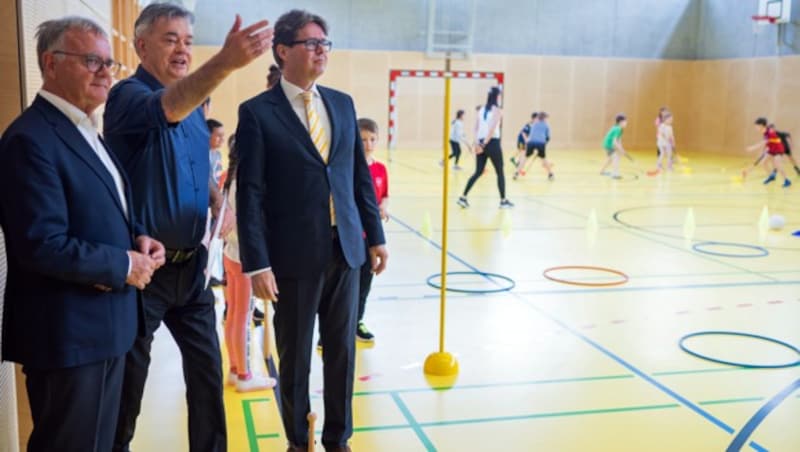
(781,10)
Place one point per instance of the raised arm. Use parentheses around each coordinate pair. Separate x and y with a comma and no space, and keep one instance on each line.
(242,45)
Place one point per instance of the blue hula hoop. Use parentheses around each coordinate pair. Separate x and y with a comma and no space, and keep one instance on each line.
(760,250)
(489,276)
(738,334)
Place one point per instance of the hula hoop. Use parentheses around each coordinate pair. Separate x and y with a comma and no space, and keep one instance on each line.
(761,251)
(489,276)
(732,363)
(587,284)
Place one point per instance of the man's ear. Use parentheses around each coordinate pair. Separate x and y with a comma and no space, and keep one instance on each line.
(49,65)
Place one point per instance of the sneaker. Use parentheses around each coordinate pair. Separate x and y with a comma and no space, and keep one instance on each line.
(605,173)
(616,176)
(456,167)
(516,175)
(255,383)
(441,163)
(786,182)
(550,177)
(506,204)
(513,161)
(363,334)
(232,378)
(462,201)
(769,178)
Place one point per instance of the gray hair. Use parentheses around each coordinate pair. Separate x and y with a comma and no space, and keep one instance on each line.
(50,34)
(155,11)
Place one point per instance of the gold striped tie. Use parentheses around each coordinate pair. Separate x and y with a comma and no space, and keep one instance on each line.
(315,129)
(317,133)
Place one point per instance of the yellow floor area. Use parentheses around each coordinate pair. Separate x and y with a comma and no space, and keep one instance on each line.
(550,366)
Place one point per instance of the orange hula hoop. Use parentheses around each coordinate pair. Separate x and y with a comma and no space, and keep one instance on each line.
(624,279)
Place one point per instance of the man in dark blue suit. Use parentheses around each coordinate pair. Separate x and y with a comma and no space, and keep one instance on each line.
(305,200)
(75,258)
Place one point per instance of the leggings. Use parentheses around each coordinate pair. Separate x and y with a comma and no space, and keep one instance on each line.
(456,147)
(493,152)
(237,321)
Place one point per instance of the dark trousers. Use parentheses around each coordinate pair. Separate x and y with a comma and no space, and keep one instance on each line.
(493,152)
(364,284)
(74,409)
(333,296)
(177,296)
(455,146)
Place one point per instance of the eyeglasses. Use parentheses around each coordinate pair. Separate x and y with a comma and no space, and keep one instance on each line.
(93,62)
(314,43)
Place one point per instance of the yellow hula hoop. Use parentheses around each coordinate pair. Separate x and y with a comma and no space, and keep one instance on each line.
(546,274)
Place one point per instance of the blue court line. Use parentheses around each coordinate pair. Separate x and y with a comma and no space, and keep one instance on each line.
(663,388)
(643,234)
(761,414)
(610,289)
(413,423)
(435,244)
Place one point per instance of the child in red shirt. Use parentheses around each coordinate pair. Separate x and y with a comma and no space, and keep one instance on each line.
(773,146)
(380,181)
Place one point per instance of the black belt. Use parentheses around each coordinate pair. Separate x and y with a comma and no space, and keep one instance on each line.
(179,256)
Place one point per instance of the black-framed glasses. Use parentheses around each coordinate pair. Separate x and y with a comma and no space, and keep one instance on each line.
(93,62)
(314,43)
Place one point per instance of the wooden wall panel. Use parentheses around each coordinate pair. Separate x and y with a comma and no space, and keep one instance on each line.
(588,96)
(681,101)
(556,96)
(714,102)
(620,98)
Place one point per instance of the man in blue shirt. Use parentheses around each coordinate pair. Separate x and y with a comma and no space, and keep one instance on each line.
(155,125)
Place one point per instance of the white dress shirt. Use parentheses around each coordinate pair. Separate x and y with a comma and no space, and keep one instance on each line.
(295,96)
(87,126)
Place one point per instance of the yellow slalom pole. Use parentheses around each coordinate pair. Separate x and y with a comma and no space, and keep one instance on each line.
(442,363)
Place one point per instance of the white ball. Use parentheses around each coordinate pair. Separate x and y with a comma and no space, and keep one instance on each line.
(776,222)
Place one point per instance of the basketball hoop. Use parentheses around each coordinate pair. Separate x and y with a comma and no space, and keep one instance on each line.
(763,20)
(759,22)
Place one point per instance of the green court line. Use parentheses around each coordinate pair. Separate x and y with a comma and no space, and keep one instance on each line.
(376,428)
(413,423)
(494,385)
(250,426)
(728,401)
(553,414)
(418,426)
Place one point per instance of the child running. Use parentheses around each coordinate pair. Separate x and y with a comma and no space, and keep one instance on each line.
(457,136)
(537,141)
(522,138)
(613,147)
(774,148)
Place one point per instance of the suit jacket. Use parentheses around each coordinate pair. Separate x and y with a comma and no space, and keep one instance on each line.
(66,235)
(283,187)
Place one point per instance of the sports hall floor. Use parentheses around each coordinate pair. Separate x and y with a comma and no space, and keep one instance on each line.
(549,366)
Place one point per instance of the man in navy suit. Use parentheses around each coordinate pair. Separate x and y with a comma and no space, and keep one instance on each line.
(75,258)
(305,200)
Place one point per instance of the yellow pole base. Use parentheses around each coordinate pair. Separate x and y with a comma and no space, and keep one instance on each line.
(441,364)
